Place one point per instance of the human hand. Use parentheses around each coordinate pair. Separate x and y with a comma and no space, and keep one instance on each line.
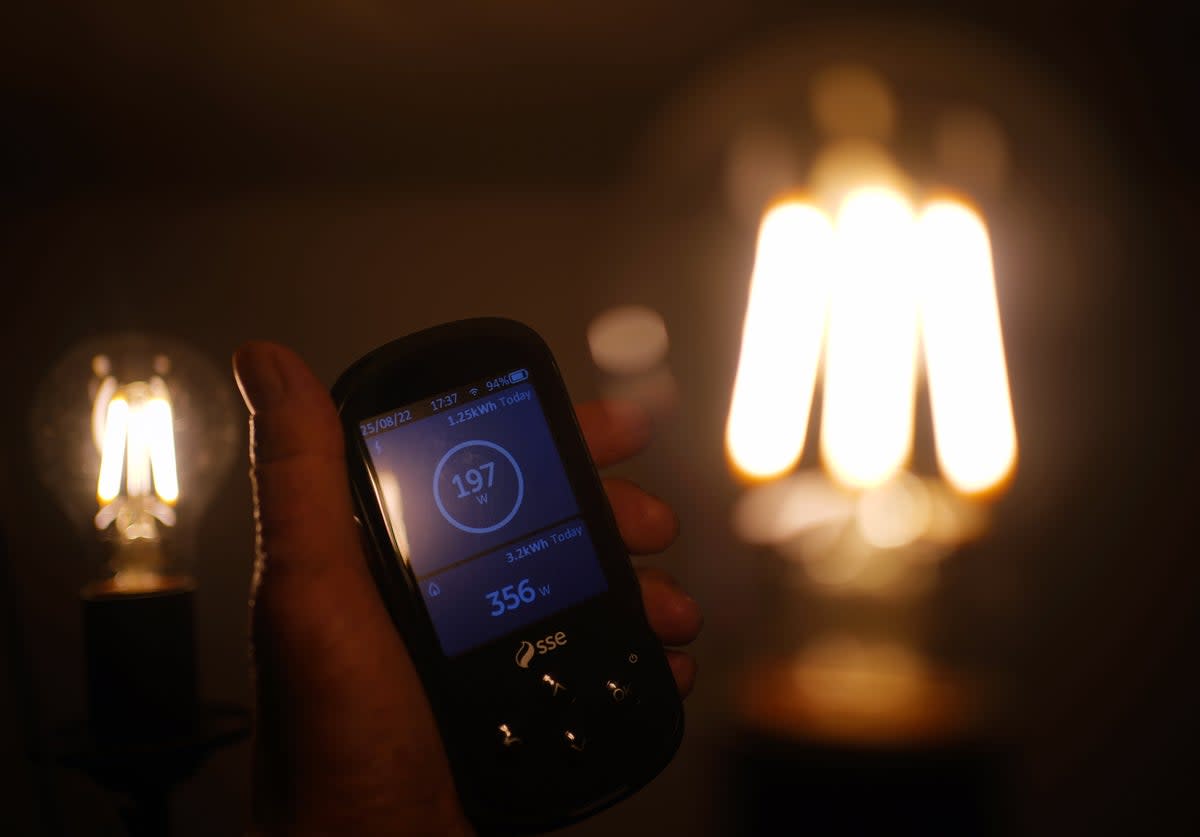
(345,740)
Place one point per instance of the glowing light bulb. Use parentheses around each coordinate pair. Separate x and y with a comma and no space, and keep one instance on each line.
(133,433)
(138,432)
(871,293)
(889,282)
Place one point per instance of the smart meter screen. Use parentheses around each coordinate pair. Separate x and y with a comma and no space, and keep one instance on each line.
(480,506)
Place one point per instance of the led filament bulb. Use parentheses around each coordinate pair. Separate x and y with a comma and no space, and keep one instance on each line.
(133,433)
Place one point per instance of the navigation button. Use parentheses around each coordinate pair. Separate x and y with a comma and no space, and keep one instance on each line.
(508,738)
(556,689)
(618,691)
(575,740)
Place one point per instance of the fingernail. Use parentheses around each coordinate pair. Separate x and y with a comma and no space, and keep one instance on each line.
(256,367)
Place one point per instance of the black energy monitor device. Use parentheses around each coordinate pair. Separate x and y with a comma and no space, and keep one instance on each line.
(496,552)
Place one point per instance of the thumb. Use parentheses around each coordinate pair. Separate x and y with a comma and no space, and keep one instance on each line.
(303,515)
(309,564)
(342,720)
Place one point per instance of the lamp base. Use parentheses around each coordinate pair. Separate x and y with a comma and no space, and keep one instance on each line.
(140,654)
(144,772)
(836,752)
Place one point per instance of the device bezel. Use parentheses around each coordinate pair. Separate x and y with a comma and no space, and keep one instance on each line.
(426,364)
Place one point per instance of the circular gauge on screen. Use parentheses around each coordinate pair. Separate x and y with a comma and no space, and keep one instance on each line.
(478,486)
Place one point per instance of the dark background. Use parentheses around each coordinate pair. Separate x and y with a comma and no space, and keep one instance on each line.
(332,175)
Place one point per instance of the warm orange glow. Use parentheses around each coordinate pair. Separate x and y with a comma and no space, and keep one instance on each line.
(781,341)
(849,165)
(840,671)
(877,698)
(777,511)
(973,423)
(852,100)
(895,514)
(971,149)
(870,361)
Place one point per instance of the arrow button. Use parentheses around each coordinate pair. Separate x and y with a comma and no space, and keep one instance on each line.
(557,688)
(575,740)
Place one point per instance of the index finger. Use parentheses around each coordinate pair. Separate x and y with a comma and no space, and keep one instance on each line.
(614,430)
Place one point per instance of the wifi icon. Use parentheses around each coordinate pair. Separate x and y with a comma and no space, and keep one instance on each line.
(474,391)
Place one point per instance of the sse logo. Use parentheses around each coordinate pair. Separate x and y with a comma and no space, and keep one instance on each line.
(545,645)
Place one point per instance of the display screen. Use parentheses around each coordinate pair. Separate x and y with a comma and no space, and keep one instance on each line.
(480,506)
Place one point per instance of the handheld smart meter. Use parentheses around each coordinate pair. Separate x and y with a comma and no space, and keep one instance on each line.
(496,552)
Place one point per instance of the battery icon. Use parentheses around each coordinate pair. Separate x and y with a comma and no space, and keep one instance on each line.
(517,375)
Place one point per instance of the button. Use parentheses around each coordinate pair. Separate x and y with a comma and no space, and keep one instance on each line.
(618,690)
(575,740)
(556,689)
(509,740)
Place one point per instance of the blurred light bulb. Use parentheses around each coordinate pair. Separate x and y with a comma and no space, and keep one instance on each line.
(869,293)
(775,511)
(629,345)
(849,165)
(781,341)
(973,424)
(628,339)
(871,355)
(888,281)
(133,433)
(853,100)
(894,514)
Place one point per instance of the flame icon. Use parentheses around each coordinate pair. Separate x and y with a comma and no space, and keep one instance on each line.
(524,654)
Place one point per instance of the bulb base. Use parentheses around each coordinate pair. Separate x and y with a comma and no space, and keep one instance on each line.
(140,654)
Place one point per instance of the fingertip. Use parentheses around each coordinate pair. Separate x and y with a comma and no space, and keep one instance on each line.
(270,373)
(685,668)
(675,617)
(647,523)
(661,517)
(631,418)
(615,430)
(258,374)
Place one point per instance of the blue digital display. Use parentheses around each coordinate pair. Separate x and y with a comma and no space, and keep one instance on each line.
(480,505)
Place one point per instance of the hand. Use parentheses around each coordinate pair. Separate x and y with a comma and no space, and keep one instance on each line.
(345,741)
